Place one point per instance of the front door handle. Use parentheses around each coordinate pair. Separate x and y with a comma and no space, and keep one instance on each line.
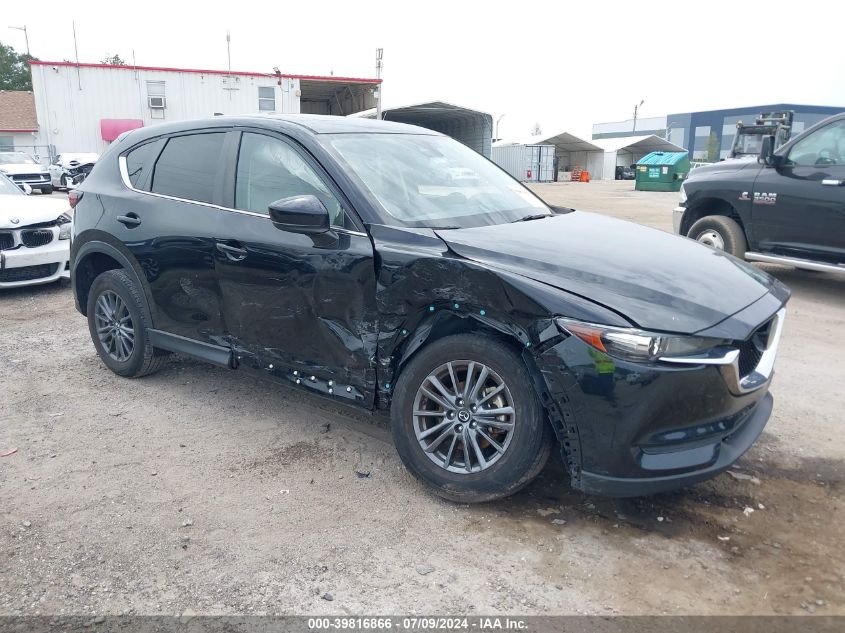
(129,220)
(234,253)
(830,182)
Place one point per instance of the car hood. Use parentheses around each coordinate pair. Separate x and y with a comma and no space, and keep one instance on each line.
(30,210)
(656,280)
(24,168)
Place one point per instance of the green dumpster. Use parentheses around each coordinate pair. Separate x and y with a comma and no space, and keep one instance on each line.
(662,171)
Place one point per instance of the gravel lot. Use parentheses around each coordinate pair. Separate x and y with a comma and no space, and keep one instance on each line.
(199,490)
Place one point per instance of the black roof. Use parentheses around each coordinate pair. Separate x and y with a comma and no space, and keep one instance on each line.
(314,123)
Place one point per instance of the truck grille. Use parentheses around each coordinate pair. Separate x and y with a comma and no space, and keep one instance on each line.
(35,238)
(7,240)
(28,273)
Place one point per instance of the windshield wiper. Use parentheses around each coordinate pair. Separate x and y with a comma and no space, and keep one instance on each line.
(536,216)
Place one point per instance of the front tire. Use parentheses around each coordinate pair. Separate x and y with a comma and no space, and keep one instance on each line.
(47,190)
(466,420)
(118,325)
(721,233)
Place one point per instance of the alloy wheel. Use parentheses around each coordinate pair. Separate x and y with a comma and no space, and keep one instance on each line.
(114,326)
(464,416)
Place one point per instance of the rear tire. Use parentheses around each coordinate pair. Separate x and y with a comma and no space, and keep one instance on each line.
(721,233)
(497,468)
(47,190)
(118,323)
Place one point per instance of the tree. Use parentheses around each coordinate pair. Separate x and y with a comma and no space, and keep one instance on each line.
(713,148)
(536,130)
(113,60)
(14,69)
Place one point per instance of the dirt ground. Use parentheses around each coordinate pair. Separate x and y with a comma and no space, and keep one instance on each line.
(200,490)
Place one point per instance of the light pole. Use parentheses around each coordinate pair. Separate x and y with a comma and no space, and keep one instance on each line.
(497,126)
(636,108)
(379,54)
(25,35)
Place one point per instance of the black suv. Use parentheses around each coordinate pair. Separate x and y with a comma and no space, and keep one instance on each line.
(787,207)
(340,256)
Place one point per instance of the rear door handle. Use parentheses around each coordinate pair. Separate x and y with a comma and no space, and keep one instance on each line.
(129,220)
(234,253)
(830,182)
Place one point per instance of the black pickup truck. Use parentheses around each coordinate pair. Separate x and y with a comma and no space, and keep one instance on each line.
(786,207)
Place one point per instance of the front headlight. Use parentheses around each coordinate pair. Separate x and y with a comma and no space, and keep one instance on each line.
(65,226)
(683,194)
(637,345)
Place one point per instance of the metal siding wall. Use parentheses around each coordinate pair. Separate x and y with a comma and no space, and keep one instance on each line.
(518,160)
(69,117)
(512,159)
(475,132)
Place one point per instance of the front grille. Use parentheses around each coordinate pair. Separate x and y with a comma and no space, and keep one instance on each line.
(35,238)
(29,177)
(751,350)
(749,357)
(7,240)
(28,273)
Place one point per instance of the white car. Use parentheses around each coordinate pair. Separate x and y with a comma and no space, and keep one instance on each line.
(23,168)
(66,169)
(34,237)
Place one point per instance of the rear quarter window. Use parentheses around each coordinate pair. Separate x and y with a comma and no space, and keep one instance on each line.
(188,166)
(139,163)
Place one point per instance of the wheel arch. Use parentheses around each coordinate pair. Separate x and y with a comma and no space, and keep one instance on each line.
(96,257)
(709,206)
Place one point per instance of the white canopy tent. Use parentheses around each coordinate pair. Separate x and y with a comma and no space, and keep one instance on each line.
(601,156)
(626,151)
(571,151)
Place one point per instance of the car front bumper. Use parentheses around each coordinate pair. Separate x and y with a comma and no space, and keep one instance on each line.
(699,462)
(30,266)
(633,429)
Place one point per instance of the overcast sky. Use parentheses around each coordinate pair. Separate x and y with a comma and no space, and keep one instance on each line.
(565,65)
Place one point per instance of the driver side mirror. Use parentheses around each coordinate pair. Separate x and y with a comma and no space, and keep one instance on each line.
(767,151)
(300,214)
(26,188)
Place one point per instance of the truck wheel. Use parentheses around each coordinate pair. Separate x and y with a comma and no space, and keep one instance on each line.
(466,420)
(721,233)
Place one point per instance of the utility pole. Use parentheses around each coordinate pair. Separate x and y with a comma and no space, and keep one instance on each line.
(379,53)
(25,35)
(229,50)
(636,108)
(497,126)
(76,52)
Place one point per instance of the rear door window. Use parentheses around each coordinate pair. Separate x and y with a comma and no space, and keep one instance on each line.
(188,166)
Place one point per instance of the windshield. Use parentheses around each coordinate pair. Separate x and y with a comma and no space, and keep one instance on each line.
(16,158)
(749,144)
(7,187)
(434,181)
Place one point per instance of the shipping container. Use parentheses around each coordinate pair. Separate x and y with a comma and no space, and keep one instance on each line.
(527,163)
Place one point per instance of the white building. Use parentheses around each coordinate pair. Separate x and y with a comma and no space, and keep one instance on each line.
(83,107)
